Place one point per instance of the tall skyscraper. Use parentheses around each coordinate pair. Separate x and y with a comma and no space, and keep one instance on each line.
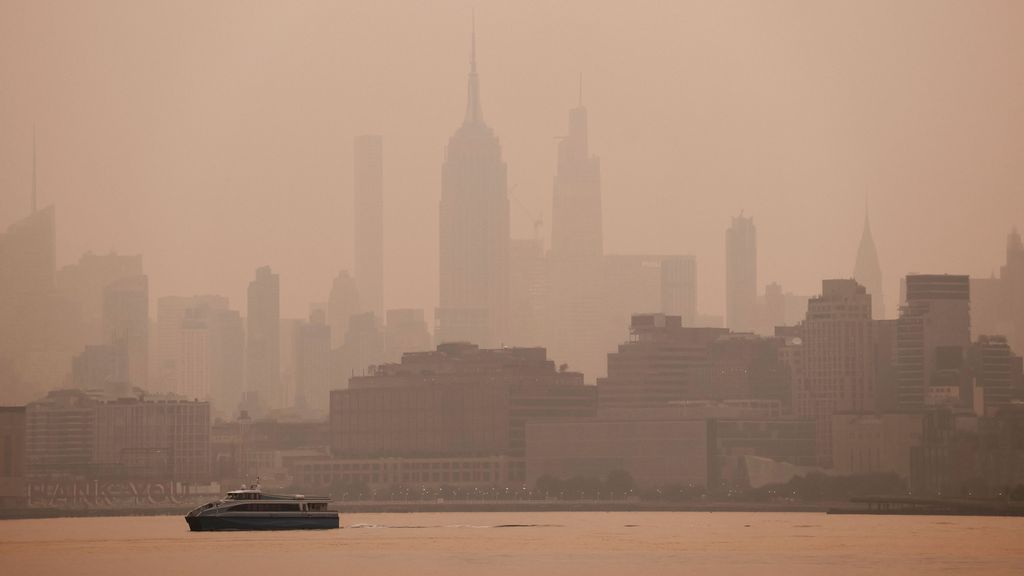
(838,359)
(577,308)
(28,361)
(578,311)
(576,228)
(369,222)
(126,324)
(473,230)
(868,272)
(741,275)
(263,353)
(933,336)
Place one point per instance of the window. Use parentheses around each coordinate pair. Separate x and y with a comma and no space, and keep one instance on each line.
(267,507)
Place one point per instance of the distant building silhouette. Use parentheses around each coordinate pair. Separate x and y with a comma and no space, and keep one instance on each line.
(838,359)
(459,400)
(741,275)
(195,377)
(313,365)
(868,272)
(932,340)
(529,288)
(101,367)
(405,331)
(227,357)
(289,330)
(80,288)
(342,304)
(263,346)
(576,220)
(368,171)
(474,231)
(29,361)
(662,362)
(185,364)
(679,288)
(634,283)
(997,373)
(591,296)
(997,303)
(774,309)
(364,347)
(126,324)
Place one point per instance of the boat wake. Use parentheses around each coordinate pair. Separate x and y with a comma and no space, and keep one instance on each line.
(403,526)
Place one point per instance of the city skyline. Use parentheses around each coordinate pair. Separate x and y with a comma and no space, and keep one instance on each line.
(677,210)
(592,270)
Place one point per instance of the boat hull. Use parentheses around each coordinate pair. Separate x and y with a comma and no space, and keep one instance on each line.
(276,522)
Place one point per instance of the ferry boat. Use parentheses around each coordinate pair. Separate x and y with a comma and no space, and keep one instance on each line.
(251,509)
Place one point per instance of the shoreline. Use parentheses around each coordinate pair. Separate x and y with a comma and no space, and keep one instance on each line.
(399,507)
(448,506)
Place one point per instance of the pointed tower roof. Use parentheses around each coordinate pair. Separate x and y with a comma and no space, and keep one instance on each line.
(867,271)
(474,112)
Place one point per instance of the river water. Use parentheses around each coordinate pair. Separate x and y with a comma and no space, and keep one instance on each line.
(534,543)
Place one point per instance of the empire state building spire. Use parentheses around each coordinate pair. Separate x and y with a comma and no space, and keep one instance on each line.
(473,231)
(474,113)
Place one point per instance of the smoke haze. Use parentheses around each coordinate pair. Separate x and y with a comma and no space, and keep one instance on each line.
(216,137)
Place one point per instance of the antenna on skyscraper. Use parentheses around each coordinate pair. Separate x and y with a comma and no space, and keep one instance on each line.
(34,197)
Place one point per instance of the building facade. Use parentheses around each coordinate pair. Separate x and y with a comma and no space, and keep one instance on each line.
(932,339)
(13,465)
(263,342)
(662,362)
(474,231)
(838,359)
(72,433)
(741,275)
(459,400)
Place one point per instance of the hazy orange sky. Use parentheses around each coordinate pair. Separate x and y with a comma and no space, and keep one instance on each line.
(215,137)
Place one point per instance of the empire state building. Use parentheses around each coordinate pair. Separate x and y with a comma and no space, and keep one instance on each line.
(474,230)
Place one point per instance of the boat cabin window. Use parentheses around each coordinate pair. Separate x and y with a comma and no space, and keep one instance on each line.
(268,507)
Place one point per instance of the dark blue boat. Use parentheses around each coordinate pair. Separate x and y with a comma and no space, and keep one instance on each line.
(251,509)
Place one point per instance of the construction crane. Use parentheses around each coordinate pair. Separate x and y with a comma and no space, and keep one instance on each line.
(538,221)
